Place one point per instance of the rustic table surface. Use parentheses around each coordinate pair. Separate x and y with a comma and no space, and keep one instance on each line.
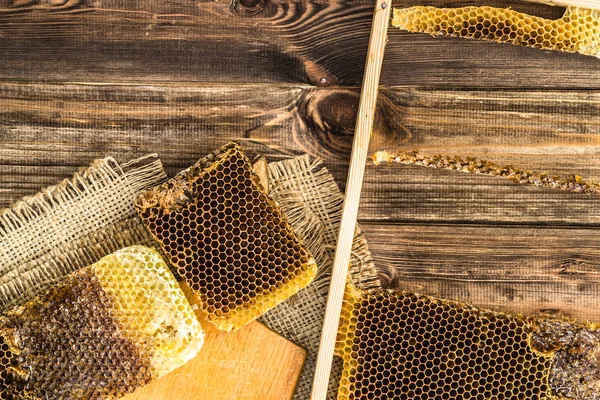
(82,79)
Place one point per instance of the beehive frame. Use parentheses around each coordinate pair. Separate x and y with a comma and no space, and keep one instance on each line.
(360,147)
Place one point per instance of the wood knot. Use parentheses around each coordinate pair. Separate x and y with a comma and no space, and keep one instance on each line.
(253,8)
(386,277)
(39,5)
(318,75)
(330,114)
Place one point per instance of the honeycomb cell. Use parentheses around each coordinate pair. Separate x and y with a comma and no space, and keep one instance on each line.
(577,31)
(100,333)
(239,256)
(397,345)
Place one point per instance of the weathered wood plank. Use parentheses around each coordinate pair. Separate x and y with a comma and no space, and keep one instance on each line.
(413,194)
(59,125)
(508,268)
(322,43)
(48,130)
(553,131)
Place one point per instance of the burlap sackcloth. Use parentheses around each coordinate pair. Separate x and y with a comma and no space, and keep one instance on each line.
(72,225)
(75,223)
(312,202)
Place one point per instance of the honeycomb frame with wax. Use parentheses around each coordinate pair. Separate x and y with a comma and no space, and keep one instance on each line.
(227,239)
(398,345)
(100,333)
(577,31)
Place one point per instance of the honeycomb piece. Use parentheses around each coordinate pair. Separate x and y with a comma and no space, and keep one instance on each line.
(227,239)
(397,345)
(100,333)
(573,183)
(577,31)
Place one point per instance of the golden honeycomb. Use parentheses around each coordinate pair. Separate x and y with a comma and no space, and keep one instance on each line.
(100,333)
(397,345)
(227,239)
(577,31)
(573,183)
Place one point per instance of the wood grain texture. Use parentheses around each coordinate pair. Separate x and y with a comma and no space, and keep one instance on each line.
(49,130)
(534,129)
(548,130)
(520,269)
(590,4)
(413,194)
(303,41)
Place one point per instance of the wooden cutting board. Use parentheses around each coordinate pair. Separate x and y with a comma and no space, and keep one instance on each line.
(253,363)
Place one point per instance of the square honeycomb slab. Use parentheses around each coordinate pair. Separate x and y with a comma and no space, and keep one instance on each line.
(227,239)
(100,333)
(397,345)
(577,31)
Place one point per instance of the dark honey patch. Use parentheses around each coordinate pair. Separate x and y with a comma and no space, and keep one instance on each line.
(224,236)
(70,346)
(403,346)
(575,349)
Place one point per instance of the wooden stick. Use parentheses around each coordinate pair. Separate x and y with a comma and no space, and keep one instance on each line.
(360,147)
(591,4)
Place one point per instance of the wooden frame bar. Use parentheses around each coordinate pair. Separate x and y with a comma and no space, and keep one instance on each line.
(360,148)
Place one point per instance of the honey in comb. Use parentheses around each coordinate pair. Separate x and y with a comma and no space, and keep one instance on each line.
(227,239)
(577,31)
(398,345)
(100,333)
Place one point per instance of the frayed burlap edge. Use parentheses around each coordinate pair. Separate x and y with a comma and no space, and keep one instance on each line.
(312,202)
(71,225)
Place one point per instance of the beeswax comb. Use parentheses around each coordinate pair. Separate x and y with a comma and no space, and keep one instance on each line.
(577,31)
(227,239)
(100,333)
(398,345)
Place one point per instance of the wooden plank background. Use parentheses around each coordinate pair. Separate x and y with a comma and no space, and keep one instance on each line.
(81,79)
